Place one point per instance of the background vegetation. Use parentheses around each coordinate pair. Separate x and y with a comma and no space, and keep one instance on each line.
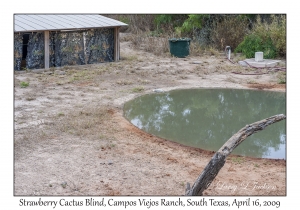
(244,33)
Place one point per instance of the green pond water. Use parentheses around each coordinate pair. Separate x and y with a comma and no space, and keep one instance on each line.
(207,118)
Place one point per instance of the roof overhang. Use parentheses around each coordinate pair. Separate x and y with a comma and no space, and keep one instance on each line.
(58,22)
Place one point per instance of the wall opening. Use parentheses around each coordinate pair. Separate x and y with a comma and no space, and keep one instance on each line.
(24,51)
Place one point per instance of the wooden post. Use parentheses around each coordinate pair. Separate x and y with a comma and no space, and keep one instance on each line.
(118,30)
(46,47)
(218,160)
(84,48)
(116,44)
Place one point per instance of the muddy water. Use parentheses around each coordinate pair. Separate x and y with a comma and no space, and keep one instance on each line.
(207,118)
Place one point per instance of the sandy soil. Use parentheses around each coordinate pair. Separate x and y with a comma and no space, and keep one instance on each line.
(71,137)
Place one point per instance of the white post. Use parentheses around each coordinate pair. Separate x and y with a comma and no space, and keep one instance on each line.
(116,44)
(259,56)
(84,48)
(228,51)
(46,47)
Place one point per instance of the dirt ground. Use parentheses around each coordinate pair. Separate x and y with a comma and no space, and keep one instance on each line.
(71,137)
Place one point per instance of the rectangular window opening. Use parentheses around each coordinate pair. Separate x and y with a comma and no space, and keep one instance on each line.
(25,45)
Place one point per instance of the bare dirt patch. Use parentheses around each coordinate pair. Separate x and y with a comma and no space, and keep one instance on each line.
(71,137)
(267,86)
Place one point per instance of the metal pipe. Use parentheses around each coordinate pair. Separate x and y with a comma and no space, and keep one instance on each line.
(228,51)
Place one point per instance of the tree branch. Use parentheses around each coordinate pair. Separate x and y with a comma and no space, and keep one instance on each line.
(218,160)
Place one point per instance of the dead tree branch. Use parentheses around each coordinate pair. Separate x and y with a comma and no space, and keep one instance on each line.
(218,160)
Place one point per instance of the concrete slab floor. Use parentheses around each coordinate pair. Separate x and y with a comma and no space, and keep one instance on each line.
(264,63)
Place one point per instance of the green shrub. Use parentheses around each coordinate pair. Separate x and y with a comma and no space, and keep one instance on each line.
(253,43)
(170,19)
(24,84)
(194,21)
(163,19)
(270,38)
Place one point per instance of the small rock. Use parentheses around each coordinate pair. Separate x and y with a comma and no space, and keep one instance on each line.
(243,63)
(48,72)
(173,72)
(64,184)
(110,162)
(158,90)
(161,71)
(60,72)
(197,62)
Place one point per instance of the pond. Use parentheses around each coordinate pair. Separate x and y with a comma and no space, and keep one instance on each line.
(207,118)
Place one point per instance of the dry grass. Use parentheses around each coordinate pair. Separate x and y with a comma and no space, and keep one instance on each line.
(129,58)
(276,30)
(124,82)
(87,125)
(196,49)
(143,81)
(136,22)
(87,121)
(157,45)
(251,81)
(30,98)
(211,51)
(232,68)
(229,32)
(85,73)
(137,89)
(281,76)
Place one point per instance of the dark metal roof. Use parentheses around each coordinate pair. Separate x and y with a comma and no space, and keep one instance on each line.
(54,22)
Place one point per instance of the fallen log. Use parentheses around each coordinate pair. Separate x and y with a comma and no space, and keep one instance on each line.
(218,160)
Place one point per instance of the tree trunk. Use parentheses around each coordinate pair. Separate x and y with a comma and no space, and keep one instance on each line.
(218,160)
